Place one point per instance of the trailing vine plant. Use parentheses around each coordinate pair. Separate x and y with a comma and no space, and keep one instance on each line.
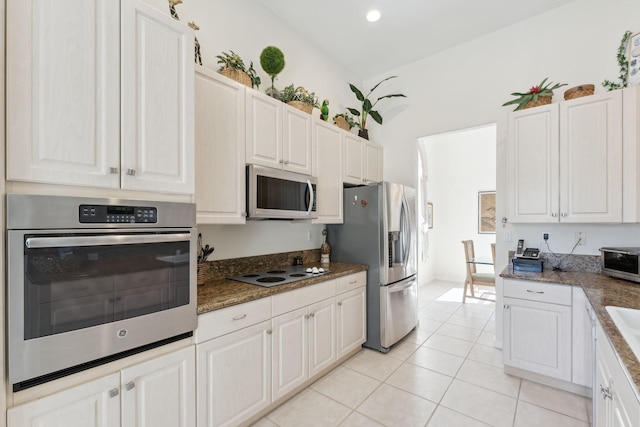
(623,63)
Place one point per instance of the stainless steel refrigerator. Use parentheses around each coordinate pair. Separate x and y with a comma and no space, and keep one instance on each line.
(379,230)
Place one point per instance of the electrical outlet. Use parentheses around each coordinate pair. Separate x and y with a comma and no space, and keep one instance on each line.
(545,236)
(581,237)
(309,235)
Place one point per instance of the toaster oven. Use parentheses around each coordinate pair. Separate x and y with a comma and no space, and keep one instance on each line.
(621,263)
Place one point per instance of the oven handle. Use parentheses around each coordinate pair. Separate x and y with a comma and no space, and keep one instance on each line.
(115,239)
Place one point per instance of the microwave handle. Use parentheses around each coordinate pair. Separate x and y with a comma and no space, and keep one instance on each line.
(311,197)
(615,251)
(112,239)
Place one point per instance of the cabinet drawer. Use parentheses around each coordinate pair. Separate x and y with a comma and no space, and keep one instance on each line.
(538,291)
(352,281)
(289,301)
(226,320)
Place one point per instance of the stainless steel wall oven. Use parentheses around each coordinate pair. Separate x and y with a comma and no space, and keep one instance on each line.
(91,280)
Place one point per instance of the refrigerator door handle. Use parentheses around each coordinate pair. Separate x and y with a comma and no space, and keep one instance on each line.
(399,287)
(406,232)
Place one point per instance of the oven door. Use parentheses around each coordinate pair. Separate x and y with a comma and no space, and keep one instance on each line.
(75,297)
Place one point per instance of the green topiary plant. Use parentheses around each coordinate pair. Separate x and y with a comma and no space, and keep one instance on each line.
(272,62)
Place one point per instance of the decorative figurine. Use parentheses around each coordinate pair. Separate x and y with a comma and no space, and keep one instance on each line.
(324,110)
(198,58)
(325,249)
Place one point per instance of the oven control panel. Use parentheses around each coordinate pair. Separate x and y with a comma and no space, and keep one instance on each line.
(109,214)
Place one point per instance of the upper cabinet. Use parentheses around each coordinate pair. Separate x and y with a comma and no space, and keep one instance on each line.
(565,161)
(99,94)
(220,148)
(327,167)
(362,160)
(278,136)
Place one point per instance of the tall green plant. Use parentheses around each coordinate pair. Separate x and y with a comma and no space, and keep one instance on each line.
(272,62)
(366,106)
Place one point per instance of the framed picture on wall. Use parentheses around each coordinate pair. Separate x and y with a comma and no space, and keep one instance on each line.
(486,212)
(430,214)
(634,60)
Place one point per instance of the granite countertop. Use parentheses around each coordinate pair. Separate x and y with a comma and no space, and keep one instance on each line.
(601,291)
(220,293)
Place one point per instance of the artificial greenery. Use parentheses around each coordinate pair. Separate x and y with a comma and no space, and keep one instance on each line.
(291,93)
(272,62)
(622,63)
(348,118)
(233,61)
(366,106)
(533,94)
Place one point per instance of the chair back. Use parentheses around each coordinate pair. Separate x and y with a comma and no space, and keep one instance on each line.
(469,254)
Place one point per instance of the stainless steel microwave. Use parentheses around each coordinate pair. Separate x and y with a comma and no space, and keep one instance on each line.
(278,194)
(622,263)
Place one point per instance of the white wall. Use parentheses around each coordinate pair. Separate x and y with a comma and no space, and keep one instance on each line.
(459,165)
(246,27)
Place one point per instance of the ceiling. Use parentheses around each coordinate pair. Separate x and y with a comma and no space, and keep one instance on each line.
(409,30)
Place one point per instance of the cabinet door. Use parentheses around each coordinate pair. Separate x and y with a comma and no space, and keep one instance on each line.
(157,101)
(290,351)
(533,167)
(264,130)
(63,98)
(296,140)
(601,400)
(161,392)
(352,320)
(220,148)
(327,167)
(322,336)
(591,159)
(352,166)
(537,337)
(234,376)
(94,404)
(582,340)
(372,162)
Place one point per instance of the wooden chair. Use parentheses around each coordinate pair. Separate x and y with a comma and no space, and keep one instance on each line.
(473,277)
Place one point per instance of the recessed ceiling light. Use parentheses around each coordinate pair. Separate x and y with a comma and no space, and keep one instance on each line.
(373,15)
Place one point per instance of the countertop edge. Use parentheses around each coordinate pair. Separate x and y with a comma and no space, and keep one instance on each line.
(601,291)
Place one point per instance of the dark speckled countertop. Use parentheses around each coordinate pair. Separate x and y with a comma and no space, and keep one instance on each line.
(220,293)
(601,291)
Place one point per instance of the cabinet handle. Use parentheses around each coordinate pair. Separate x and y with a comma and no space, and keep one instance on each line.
(114,392)
(353,283)
(131,172)
(563,214)
(269,331)
(281,161)
(239,317)
(113,170)
(286,162)
(505,306)
(130,385)
(554,214)
(312,315)
(535,292)
(339,303)
(306,316)
(606,393)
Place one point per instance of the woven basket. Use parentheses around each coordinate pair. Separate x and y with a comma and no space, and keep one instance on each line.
(341,123)
(542,100)
(579,91)
(237,75)
(302,106)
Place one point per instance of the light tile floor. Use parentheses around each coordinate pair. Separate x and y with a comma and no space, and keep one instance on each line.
(445,373)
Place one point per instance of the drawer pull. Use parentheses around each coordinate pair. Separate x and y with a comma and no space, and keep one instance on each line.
(353,283)
(339,303)
(130,385)
(269,331)
(114,392)
(535,292)
(312,315)
(239,317)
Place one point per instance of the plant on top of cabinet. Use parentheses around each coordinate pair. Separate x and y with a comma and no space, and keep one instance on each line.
(272,62)
(345,121)
(299,98)
(367,106)
(536,96)
(621,56)
(232,66)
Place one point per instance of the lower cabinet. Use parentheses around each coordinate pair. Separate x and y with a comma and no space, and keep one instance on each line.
(156,393)
(352,320)
(537,328)
(615,401)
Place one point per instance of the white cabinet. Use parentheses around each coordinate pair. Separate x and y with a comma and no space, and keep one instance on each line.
(99,93)
(158,393)
(322,336)
(362,160)
(277,135)
(537,328)
(327,167)
(352,320)
(581,340)
(565,161)
(220,148)
(93,404)
(615,400)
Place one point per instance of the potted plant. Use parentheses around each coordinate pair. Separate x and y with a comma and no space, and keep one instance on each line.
(232,66)
(345,121)
(299,98)
(366,107)
(272,62)
(537,95)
